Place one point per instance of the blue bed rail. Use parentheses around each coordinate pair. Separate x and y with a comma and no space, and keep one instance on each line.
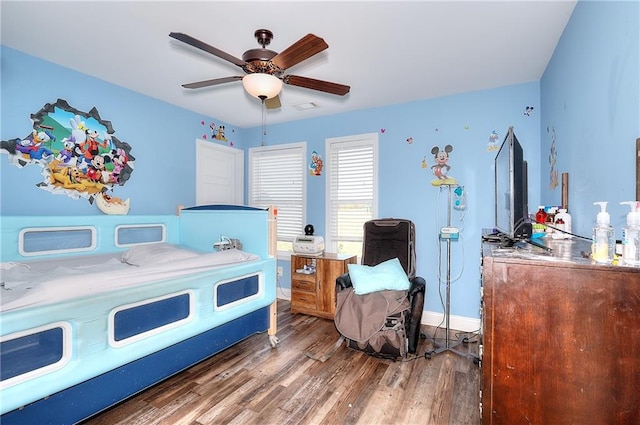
(87,367)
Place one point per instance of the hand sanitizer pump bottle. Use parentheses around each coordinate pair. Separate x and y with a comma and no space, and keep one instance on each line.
(631,236)
(604,241)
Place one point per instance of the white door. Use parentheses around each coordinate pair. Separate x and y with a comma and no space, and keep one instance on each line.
(219,174)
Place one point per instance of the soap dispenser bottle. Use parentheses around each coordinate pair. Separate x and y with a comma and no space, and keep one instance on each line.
(631,236)
(604,242)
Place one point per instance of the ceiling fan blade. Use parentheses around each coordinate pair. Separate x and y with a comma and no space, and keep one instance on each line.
(313,84)
(214,82)
(302,49)
(273,102)
(207,48)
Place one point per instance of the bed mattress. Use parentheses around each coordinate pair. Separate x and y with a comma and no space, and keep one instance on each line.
(42,282)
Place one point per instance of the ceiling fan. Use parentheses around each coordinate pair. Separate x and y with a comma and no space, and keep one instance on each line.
(267,65)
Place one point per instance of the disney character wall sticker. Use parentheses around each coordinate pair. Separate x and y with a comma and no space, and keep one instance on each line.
(316,165)
(492,145)
(218,132)
(112,205)
(441,168)
(77,151)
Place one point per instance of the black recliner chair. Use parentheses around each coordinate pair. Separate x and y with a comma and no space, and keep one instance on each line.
(386,239)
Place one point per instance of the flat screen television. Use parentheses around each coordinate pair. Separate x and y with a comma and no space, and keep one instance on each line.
(511,190)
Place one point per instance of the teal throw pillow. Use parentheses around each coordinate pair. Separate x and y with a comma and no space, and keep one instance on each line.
(386,275)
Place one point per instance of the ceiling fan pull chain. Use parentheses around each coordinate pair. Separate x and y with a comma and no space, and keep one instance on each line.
(264,122)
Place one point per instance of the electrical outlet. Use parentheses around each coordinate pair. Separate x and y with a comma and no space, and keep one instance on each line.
(279,271)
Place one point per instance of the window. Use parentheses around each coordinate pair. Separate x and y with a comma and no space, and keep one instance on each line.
(352,190)
(277,177)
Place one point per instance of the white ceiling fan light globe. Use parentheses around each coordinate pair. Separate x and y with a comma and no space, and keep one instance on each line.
(262,85)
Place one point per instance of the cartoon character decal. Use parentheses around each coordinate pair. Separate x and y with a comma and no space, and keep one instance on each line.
(67,152)
(76,150)
(34,147)
(316,165)
(441,167)
(119,160)
(218,132)
(91,146)
(112,205)
(493,142)
(97,168)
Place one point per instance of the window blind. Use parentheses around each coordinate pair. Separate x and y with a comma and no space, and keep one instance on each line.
(277,178)
(351,188)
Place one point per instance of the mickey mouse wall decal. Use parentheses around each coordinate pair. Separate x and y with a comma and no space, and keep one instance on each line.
(441,167)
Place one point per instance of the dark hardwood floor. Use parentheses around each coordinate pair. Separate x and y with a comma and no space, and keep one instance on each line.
(253,383)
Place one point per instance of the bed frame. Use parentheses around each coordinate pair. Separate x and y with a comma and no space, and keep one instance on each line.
(87,355)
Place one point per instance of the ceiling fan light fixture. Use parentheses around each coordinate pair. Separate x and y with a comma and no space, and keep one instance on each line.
(262,86)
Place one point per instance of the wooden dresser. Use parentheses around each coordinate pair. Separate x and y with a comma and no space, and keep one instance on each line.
(314,293)
(561,338)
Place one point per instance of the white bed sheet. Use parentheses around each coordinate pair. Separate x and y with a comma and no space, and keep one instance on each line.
(50,281)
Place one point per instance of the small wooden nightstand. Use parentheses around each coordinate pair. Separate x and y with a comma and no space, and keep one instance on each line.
(315,293)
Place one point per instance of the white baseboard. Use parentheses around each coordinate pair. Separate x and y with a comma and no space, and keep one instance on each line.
(429,318)
(458,323)
(282,295)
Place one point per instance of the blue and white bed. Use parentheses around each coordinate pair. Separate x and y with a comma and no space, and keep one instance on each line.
(97,308)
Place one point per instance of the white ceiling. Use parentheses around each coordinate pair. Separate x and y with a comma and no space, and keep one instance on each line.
(389,52)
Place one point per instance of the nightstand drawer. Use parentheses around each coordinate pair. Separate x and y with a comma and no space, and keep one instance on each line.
(303,300)
(304,285)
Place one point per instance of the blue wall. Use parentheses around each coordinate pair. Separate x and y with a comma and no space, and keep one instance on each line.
(464,121)
(162,137)
(589,95)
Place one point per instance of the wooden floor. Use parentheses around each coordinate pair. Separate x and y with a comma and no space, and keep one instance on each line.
(253,383)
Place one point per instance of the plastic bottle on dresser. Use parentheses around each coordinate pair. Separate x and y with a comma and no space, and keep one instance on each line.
(541,215)
(558,225)
(565,224)
(551,219)
(631,236)
(539,226)
(604,242)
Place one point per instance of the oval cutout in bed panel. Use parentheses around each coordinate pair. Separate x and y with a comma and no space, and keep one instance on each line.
(133,321)
(56,240)
(30,352)
(236,290)
(137,234)
(34,352)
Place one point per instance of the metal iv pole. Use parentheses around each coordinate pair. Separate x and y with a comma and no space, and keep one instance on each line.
(448,344)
